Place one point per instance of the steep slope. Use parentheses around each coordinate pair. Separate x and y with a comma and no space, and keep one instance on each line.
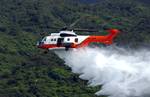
(24,72)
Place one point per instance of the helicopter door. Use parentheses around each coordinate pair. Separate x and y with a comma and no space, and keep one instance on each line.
(59,41)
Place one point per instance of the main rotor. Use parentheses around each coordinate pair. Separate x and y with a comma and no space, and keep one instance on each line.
(71,27)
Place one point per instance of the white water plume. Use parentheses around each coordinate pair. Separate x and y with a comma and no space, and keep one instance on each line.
(122,73)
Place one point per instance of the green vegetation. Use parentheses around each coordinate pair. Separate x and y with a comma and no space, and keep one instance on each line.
(26,72)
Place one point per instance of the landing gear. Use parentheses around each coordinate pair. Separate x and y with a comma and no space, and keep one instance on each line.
(67,48)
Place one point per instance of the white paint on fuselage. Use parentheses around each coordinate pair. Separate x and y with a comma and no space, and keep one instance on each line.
(70,39)
(53,37)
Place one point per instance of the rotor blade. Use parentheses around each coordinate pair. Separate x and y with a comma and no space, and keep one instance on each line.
(86,30)
(43,33)
(74,23)
(52,27)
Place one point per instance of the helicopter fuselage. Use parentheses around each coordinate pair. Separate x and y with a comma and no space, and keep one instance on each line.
(68,39)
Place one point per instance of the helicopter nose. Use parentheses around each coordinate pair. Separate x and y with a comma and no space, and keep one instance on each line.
(39,44)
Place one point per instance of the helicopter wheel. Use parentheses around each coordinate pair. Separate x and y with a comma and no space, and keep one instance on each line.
(66,48)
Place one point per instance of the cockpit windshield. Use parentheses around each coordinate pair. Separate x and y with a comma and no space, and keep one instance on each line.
(44,39)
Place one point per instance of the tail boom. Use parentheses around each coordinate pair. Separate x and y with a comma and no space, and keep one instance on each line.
(108,39)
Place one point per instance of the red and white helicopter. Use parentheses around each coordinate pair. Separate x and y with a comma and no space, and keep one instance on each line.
(67,39)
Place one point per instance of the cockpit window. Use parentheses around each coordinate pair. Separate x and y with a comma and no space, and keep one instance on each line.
(68,39)
(44,39)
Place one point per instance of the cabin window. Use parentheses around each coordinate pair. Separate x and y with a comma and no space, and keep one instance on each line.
(68,39)
(51,39)
(55,39)
(76,40)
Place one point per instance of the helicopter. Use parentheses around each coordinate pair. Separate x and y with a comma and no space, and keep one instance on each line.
(67,38)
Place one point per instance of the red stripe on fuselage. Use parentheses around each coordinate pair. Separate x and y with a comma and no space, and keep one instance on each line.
(92,39)
(47,46)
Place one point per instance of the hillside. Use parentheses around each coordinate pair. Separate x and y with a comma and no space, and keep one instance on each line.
(26,72)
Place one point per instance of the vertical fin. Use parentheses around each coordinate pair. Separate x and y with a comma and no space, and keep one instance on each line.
(113,34)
